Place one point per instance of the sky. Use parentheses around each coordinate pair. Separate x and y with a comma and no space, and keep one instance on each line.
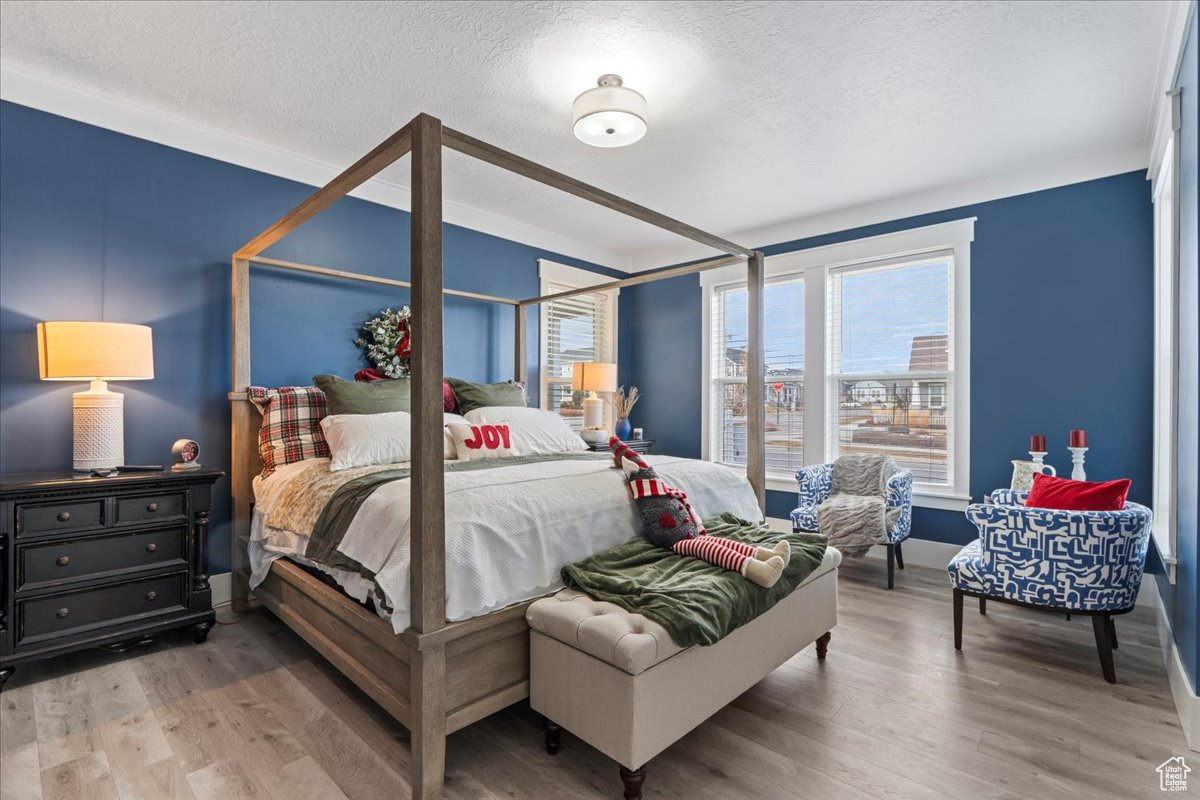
(880,313)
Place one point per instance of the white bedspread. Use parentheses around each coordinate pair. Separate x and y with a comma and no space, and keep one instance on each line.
(509,530)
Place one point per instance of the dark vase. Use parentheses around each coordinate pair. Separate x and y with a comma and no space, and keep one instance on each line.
(623,429)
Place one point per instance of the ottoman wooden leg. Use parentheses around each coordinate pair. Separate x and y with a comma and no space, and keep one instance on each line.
(958,611)
(633,780)
(553,736)
(823,645)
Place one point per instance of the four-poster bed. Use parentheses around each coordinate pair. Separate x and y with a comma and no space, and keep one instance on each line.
(438,676)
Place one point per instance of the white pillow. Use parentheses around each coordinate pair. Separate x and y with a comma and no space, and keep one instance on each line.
(533,430)
(451,450)
(484,440)
(360,440)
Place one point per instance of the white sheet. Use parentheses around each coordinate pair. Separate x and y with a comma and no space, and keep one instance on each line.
(509,530)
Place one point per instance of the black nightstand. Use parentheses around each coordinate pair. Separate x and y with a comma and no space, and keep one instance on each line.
(101,562)
(636,445)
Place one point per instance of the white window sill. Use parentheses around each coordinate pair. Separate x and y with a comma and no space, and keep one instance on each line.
(921,498)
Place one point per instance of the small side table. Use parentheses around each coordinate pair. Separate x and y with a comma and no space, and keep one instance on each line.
(636,445)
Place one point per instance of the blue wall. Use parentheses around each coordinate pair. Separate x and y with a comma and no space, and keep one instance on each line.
(98,225)
(1180,600)
(1061,337)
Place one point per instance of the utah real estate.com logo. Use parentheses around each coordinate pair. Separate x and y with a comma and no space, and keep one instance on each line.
(1172,775)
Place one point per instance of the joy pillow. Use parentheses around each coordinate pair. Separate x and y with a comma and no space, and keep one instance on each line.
(485,440)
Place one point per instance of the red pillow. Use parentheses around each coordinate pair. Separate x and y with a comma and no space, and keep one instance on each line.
(1067,495)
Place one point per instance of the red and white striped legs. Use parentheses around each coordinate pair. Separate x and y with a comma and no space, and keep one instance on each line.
(724,553)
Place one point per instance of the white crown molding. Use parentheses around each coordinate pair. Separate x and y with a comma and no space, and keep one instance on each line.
(74,102)
(1008,184)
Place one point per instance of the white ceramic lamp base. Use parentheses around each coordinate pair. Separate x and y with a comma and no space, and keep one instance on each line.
(593,420)
(99,428)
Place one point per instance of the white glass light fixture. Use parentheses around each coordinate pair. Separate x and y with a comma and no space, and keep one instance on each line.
(610,115)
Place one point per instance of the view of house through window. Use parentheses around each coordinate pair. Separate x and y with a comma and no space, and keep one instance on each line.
(890,340)
(865,340)
(784,383)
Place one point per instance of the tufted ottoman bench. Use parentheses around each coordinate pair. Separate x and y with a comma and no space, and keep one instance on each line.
(617,680)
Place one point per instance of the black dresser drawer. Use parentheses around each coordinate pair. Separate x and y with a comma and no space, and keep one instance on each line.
(64,516)
(62,560)
(151,507)
(63,614)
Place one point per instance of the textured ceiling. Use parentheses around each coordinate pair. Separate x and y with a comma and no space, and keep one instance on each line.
(760,112)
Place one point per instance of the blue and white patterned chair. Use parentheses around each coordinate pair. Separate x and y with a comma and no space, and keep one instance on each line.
(1078,562)
(815,483)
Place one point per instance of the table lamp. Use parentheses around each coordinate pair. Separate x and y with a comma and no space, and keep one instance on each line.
(96,352)
(593,377)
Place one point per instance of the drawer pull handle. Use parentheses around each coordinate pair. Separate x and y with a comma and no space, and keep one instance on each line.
(152,547)
(63,613)
(62,561)
(63,516)
(152,507)
(151,595)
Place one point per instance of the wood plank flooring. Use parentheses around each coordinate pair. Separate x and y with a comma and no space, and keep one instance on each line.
(893,712)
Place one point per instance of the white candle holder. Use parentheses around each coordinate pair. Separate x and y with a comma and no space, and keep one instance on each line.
(1077,473)
(1038,459)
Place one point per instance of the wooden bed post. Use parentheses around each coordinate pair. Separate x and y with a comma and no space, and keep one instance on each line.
(241,453)
(519,344)
(756,455)
(428,538)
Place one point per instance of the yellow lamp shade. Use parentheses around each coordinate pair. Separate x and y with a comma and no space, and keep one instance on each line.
(593,377)
(84,351)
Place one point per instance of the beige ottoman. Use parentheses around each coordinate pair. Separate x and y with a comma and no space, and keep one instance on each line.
(618,681)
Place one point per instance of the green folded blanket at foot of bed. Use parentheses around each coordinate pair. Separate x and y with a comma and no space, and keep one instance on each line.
(698,603)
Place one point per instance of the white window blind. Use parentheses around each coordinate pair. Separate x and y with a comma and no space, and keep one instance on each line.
(783,394)
(579,328)
(890,362)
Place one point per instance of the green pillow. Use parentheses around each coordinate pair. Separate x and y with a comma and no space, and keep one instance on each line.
(373,397)
(471,396)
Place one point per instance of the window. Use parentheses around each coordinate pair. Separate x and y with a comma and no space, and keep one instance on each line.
(866,347)
(784,380)
(891,349)
(1166,336)
(579,328)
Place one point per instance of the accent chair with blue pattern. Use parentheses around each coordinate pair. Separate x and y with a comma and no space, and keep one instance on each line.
(816,482)
(1074,562)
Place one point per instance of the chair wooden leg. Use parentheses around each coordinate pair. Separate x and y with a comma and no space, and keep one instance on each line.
(553,736)
(1112,632)
(983,606)
(633,779)
(958,615)
(899,555)
(891,559)
(1100,626)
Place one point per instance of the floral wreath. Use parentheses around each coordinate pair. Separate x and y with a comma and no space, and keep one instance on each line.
(389,348)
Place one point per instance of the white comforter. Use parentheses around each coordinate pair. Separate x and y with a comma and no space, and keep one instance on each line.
(509,530)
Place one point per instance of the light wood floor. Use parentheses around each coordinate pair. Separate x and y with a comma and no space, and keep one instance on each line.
(893,713)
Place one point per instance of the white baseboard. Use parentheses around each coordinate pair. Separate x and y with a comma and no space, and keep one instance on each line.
(1187,704)
(222,588)
(936,555)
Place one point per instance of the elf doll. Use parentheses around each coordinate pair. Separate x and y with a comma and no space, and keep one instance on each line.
(668,521)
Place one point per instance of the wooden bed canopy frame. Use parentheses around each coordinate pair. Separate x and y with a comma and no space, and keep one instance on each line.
(437,676)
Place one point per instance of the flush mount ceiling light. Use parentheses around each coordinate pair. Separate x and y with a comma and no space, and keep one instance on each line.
(610,115)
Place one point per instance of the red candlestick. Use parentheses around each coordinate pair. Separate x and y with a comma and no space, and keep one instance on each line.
(1079,439)
(1037,444)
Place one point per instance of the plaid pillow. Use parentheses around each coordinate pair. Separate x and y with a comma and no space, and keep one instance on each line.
(291,425)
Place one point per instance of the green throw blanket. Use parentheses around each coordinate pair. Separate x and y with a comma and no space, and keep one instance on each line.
(698,603)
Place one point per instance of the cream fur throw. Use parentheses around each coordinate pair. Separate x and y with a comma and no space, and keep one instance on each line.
(855,516)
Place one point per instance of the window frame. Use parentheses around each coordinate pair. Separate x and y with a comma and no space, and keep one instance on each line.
(1164,176)
(815,264)
(552,273)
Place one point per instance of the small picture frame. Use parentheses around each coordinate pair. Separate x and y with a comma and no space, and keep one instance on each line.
(638,434)
(185,453)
